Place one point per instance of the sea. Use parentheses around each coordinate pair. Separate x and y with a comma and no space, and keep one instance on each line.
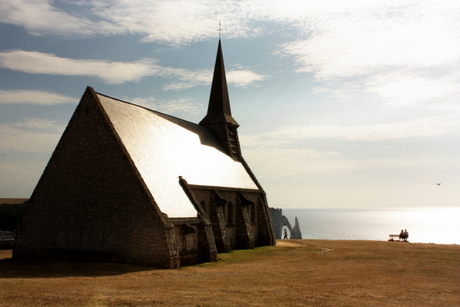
(425,225)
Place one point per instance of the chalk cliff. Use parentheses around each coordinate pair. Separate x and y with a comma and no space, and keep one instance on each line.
(279,221)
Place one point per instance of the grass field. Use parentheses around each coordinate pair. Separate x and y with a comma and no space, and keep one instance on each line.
(294,273)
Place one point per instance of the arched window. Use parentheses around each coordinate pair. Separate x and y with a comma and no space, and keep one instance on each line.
(188,234)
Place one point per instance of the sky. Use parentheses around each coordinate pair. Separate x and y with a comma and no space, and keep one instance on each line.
(341,104)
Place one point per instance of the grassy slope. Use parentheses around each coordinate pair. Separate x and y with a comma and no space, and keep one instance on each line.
(294,273)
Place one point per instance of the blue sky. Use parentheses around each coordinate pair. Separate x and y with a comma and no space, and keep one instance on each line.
(340,103)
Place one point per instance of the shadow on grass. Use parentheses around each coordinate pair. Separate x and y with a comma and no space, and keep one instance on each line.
(41,268)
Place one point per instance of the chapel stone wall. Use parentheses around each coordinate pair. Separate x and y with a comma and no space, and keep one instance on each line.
(90,204)
(239,218)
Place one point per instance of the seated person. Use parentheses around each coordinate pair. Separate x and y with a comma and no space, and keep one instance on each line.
(406,234)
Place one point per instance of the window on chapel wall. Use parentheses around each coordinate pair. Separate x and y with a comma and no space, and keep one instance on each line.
(188,242)
(230,214)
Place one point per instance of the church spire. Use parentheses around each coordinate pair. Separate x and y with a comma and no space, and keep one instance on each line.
(219,104)
(219,117)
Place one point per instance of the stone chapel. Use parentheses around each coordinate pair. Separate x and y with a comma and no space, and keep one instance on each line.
(132,185)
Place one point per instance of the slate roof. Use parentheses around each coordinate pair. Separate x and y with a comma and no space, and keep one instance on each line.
(163,148)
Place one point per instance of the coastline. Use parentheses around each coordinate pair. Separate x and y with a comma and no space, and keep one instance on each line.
(425,225)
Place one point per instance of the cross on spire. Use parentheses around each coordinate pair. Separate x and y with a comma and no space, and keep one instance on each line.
(220,30)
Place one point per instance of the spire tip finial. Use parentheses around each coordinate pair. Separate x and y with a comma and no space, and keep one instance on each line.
(220,30)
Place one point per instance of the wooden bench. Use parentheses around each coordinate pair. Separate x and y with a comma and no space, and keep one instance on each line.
(392,238)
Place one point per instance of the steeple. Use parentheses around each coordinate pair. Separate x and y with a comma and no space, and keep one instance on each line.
(219,104)
(219,117)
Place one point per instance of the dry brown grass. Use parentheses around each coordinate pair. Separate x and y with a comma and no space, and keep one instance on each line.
(294,273)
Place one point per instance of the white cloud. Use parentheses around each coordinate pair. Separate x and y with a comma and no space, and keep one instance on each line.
(356,37)
(42,18)
(358,43)
(373,45)
(313,165)
(416,90)
(349,46)
(285,136)
(243,77)
(176,22)
(287,158)
(34,62)
(376,132)
(43,98)
(186,78)
(115,72)
(239,78)
(37,123)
